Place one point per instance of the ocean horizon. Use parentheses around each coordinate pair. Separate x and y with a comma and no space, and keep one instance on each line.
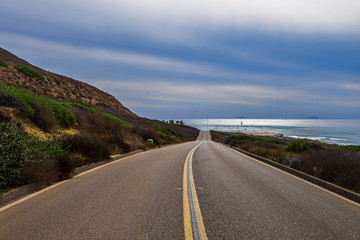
(332,131)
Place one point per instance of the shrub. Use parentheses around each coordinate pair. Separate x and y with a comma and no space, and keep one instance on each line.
(87,107)
(168,134)
(14,154)
(89,145)
(350,147)
(44,119)
(3,64)
(337,166)
(19,98)
(62,114)
(147,133)
(240,138)
(47,162)
(24,160)
(298,146)
(113,134)
(28,71)
(271,151)
(29,103)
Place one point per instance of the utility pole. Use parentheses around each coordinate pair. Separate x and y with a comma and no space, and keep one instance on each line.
(207,122)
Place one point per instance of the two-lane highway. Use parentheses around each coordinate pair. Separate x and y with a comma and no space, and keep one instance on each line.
(242,198)
(143,197)
(139,197)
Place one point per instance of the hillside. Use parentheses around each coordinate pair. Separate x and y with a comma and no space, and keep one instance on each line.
(57,86)
(51,124)
(61,87)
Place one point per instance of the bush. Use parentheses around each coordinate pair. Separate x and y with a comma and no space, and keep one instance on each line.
(19,98)
(62,114)
(44,119)
(241,138)
(89,145)
(31,104)
(87,107)
(3,64)
(47,162)
(14,154)
(24,160)
(28,71)
(270,151)
(350,147)
(337,166)
(238,138)
(168,134)
(298,146)
(113,134)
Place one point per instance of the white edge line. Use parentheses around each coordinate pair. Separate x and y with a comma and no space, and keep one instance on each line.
(294,176)
(62,182)
(32,195)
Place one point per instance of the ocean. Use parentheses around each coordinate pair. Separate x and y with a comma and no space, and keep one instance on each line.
(333,131)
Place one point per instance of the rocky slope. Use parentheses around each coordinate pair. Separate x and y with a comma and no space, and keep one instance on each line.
(58,86)
(61,87)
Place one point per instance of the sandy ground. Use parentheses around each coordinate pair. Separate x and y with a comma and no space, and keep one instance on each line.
(263,134)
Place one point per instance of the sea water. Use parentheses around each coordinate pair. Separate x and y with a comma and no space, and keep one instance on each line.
(333,131)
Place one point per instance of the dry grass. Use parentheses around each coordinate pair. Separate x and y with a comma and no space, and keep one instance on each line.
(328,162)
(341,167)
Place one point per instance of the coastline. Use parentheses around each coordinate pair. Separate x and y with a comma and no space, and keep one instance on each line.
(330,131)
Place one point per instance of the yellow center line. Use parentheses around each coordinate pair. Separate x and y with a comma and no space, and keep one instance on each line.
(193,223)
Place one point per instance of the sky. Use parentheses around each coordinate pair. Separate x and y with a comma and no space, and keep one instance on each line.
(167,59)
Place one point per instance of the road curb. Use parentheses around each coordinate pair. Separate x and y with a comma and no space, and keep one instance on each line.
(317,181)
(17,193)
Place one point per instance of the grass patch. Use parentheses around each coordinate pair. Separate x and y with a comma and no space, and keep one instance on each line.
(239,138)
(87,107)
(168,134)
(98,137)
(350,147)
(31,104)
(28,71)
(3,64)
(299,146)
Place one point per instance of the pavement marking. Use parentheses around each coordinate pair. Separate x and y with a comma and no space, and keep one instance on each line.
(31,195)
(193,223)
(62,182)
(303,180)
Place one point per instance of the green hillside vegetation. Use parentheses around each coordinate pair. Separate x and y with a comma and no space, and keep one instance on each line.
(168,134)
(26,160)
(28,71)
(75,133)
(87,107)
(350,147)
(3,64)
(337,164)
(42,110)
(244,138)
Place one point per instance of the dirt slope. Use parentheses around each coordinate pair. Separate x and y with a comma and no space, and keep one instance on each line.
(58,86)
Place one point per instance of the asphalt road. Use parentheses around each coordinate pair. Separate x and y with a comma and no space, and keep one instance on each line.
(140,197)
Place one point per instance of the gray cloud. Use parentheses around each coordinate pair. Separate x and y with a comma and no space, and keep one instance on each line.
(167,91)
(156,17)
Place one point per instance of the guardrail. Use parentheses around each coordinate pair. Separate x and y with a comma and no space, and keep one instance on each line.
(327,185)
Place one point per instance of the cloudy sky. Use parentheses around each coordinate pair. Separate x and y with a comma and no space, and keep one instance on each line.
(188,59)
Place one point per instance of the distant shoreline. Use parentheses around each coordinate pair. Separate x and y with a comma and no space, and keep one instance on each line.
(331,131)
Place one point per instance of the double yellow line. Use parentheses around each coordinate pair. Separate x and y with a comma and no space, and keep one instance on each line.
(193,222)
